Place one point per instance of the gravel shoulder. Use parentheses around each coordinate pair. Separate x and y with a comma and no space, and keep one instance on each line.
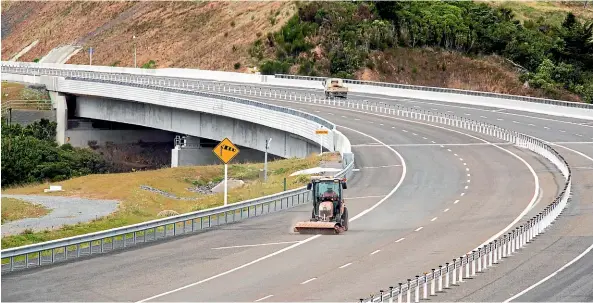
(65,211)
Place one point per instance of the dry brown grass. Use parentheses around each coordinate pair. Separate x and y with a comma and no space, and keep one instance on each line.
(11,91)
(429,67)
(174,34)
(16,209)
(138,205)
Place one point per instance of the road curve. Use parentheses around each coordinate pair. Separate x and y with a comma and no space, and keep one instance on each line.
(434,187)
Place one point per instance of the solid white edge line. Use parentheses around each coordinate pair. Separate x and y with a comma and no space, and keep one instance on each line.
(401,180)
(551,275)
(261,299)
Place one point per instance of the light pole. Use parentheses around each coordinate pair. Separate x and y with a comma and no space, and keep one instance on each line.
(266,160)
(134,39)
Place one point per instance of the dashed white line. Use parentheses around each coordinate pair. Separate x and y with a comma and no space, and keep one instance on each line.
(466,187)
(261,299)
(371,122)
(456,201)
(460,159)
(484,117)
(448,149)
(433,219)
(462,194)
(255,245)
(446,210)
(468,181)
(346,265)
(444,146)
(530,124)
(468,114)
(432,142)
(419,228)
(434,109)
(356,119)
(414,134)
(499,119)
(376,251)
(515,122)
(562,131)
(464,163)
(424,138)
(343,116)
(467,169)
(308,281)
(455,155)
(405,131)
(468,175)
(579,135)
(381,124)
(546,127)
(330,114)
(399,240)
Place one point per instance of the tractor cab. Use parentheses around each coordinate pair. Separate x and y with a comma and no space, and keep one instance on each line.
(327,189)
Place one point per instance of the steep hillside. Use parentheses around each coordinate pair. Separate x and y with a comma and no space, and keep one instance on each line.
(323,38)
(207,35)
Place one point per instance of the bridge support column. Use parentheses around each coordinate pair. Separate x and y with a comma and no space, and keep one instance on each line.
(58,101)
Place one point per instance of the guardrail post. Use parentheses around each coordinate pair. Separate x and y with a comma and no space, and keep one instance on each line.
(479,259)
(461,268)
(473,262)
(490,254)
(399,295)
(417,290)
(425,286)
(440,278)
(447,275)
(496,251)
(432,283)
(408,294)
(454,271)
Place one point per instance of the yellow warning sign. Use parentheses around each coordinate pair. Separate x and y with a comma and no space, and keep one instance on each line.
(226,150)
(321,131)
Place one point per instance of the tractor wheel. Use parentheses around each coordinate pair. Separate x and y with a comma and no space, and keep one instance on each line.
(345,219)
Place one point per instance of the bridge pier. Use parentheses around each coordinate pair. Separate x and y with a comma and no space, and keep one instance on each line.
(58,101)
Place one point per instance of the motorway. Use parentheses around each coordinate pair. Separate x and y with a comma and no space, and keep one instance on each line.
(423,195)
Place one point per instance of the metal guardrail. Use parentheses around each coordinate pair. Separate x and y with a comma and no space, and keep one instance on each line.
(73,247)
(483,257)
(448,90)
(26,105)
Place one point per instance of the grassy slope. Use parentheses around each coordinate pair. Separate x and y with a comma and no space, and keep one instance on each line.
(138,205)
(204,36)
(16,209)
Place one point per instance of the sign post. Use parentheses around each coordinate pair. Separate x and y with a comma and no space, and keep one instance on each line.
(266,160)
(225,151)
(321,131)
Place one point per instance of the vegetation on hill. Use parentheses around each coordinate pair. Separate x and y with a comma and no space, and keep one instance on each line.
(340,38)
(31,154)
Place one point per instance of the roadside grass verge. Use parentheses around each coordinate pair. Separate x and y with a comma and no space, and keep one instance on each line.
(16,209)
(139,205)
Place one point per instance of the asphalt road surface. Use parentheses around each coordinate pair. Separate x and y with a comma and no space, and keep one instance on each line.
(422,196)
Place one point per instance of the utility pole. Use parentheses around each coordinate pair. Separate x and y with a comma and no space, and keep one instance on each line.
(266,160)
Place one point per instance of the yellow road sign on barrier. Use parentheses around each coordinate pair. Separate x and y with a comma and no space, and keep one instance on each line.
(321,131)
(226,150)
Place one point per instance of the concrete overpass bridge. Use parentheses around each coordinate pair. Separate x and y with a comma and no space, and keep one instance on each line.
(162,114)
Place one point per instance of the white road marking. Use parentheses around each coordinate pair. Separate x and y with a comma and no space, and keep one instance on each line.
(343,116)
(393,127)
(434,109)
(371,122)
(467,169)
(530,124)
(356,169)
(317,111)
(551,275)
(466,187)
(432,142)
(484,117)
(579,135)
(364,197)
(261,299)
(330,114)
(464,163)
(442,145)
(419,228)
(356,119)
(399,240)
(468,181)
(308,281)
(562,131)
(447,149)
(516,122)
(499,119)
(414,134)
(381,124)
(462,194)
(364,212)
(468,175)
(376,251)
(468,114)
(460,159)
(456,201)
(424,138)
(433,219)
(405,131)
(384,166)
(254,245)
(455,155)
(345,265)
(446,210)
(546,127)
